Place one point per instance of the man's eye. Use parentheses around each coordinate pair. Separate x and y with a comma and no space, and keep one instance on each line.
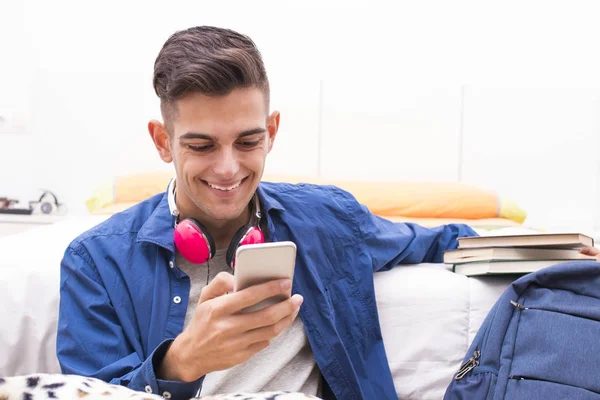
(200,148)
(249,143)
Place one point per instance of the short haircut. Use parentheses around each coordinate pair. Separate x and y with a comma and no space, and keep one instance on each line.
(209,60)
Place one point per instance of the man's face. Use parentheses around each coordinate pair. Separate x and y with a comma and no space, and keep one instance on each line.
(219,146)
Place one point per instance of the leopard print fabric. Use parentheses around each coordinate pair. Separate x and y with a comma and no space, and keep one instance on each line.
(260,396)
(73,387)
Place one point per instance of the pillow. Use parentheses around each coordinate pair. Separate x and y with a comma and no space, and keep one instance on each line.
(423,199)
(482,223)
(111,209)
(390,199)
(132,188)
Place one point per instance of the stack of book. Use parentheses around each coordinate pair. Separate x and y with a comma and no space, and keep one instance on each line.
(516,254)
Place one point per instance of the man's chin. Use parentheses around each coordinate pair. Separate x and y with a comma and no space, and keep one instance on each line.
(223,212)
(224,208)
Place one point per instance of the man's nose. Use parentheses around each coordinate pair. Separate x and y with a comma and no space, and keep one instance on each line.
(226,165)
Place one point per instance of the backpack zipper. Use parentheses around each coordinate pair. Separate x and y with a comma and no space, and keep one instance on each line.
(531,378)
(519,306)
(522,308)
(468,365)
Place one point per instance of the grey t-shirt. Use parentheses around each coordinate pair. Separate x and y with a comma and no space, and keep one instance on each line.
(287,364)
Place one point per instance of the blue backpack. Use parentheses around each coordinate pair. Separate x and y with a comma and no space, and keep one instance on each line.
(540,340)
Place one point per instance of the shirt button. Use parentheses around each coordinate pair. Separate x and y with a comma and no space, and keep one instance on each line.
(177,299)
(171,265)
(167,395)
(148,389)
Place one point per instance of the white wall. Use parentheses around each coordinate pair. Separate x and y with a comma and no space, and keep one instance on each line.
(540,147)
(390,131)
(439,91)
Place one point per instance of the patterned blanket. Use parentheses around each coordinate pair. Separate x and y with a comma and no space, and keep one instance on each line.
(67,387)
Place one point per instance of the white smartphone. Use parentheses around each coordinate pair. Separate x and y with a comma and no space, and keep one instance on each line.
(259,263)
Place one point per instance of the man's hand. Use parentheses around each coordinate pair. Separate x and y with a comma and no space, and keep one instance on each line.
(219,336)
(591,251)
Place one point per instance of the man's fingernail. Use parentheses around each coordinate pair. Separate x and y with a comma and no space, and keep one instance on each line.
(286,284)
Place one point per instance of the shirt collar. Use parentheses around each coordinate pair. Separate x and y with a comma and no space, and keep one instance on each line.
(159,226)
(268,202)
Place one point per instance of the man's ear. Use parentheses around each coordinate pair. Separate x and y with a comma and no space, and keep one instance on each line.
(273,127)
(160,137)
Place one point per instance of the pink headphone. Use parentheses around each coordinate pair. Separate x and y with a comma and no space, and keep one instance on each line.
(195,243)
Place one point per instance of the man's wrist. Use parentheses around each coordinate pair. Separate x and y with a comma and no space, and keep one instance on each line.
(173,365)
(168,368)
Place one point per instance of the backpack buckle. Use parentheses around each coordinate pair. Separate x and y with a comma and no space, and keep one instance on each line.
(468,365)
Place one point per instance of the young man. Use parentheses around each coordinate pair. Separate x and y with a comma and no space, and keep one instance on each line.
(135,312)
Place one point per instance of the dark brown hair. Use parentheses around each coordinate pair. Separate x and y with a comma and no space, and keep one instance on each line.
(209,60)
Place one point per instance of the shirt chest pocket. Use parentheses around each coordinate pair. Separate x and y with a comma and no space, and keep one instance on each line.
(349,312)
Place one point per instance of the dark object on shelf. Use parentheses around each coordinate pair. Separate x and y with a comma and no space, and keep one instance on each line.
(6,207)
(16,211)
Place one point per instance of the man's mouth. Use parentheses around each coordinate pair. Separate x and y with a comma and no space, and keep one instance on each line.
(225,188)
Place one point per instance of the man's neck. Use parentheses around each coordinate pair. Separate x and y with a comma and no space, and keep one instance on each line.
(222,231)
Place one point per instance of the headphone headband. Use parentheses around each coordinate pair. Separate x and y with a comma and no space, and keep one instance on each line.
(171,198)
(48,193)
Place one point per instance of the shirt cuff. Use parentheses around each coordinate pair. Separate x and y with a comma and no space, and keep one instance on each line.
(165,388)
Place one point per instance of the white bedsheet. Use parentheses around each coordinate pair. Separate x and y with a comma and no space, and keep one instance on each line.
(29,284)
(428,314)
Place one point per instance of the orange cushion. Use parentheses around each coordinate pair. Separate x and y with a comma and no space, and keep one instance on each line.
(398,199)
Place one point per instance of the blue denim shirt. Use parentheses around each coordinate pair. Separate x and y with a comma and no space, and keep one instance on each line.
(123,300)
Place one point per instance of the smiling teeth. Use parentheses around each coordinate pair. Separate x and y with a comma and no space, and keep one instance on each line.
(225,189)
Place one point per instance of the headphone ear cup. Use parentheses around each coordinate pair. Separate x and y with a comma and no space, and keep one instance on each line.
(193,241)
(247,234)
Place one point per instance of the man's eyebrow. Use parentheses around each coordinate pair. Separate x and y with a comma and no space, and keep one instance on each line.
(204,136)
(195,135)
(251,132)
